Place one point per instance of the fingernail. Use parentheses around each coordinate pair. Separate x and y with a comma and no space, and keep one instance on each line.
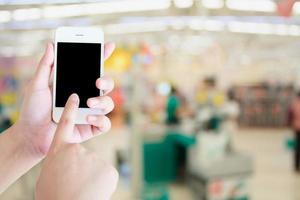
(92,118)
(74,98)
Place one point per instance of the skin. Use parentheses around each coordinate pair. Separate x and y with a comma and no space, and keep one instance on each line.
(28,141)
(70,171)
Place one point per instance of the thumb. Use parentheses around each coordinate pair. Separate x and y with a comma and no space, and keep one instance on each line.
(42,74)
(67,122)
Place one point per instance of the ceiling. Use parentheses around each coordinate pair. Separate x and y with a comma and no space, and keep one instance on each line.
(27,22)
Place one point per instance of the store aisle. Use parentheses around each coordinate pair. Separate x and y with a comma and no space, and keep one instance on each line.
(274,178)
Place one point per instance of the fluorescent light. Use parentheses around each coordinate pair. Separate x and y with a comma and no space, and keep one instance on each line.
(213,25)
(26,14)
(137,27)
(196,24)
(126,6)
(183,3)
(105,8)
(250,27)
(296,8)
(177,24)
(5,16)
(252,5)
(62,11)
(207,24)
(213,4)
(21,2)
(264,28)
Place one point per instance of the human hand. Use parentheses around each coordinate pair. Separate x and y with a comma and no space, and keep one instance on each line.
(35,124)
(70,171)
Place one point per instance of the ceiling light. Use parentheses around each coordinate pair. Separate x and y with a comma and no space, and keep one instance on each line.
(213,4)
(62,11)
(5,16)
(196,24)
(296,8)
(213,25)
(105,8)
(126,6)
(135,27)
(264,28)
(177,24)
(22,2)
(26,14)
(183,3)
(207,24)
(252,5)
(250,27)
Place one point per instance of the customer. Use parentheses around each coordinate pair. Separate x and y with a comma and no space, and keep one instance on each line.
(69,171)
(172,107)
(294,121)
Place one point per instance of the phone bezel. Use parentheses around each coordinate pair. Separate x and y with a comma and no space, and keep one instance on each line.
(77,35)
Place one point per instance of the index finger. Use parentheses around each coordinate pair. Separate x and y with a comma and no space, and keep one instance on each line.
(67,121)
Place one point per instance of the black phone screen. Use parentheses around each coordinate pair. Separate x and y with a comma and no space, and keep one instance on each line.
(77,69)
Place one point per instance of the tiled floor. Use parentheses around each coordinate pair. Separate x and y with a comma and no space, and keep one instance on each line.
(274,178)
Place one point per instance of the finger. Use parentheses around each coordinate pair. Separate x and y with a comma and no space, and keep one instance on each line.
(51,79)
(109,47)
(42,74)
(101,124)
(66,123)
(105,84)
(105,104)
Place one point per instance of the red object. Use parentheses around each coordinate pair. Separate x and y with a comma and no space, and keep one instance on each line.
(285,7)
(216,188)
(117,96)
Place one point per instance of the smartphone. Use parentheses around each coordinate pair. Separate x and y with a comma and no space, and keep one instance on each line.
(78,64)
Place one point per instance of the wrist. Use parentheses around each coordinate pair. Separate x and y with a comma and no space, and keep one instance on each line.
(16,158)
(19,135)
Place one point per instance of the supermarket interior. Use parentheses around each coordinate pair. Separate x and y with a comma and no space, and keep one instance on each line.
(205,92)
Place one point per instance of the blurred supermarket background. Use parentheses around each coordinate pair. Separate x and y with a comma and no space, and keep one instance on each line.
(203,90)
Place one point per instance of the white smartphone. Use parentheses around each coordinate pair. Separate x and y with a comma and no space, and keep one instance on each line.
(78,63)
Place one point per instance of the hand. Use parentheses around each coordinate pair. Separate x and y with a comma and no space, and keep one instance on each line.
(69,170)
(35,124)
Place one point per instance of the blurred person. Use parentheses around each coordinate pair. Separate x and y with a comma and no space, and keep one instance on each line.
(172,107)
(231,111)
(27,142)
(294,121)
(207,93)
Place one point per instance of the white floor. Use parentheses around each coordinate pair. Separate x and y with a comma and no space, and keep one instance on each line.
(274,178)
